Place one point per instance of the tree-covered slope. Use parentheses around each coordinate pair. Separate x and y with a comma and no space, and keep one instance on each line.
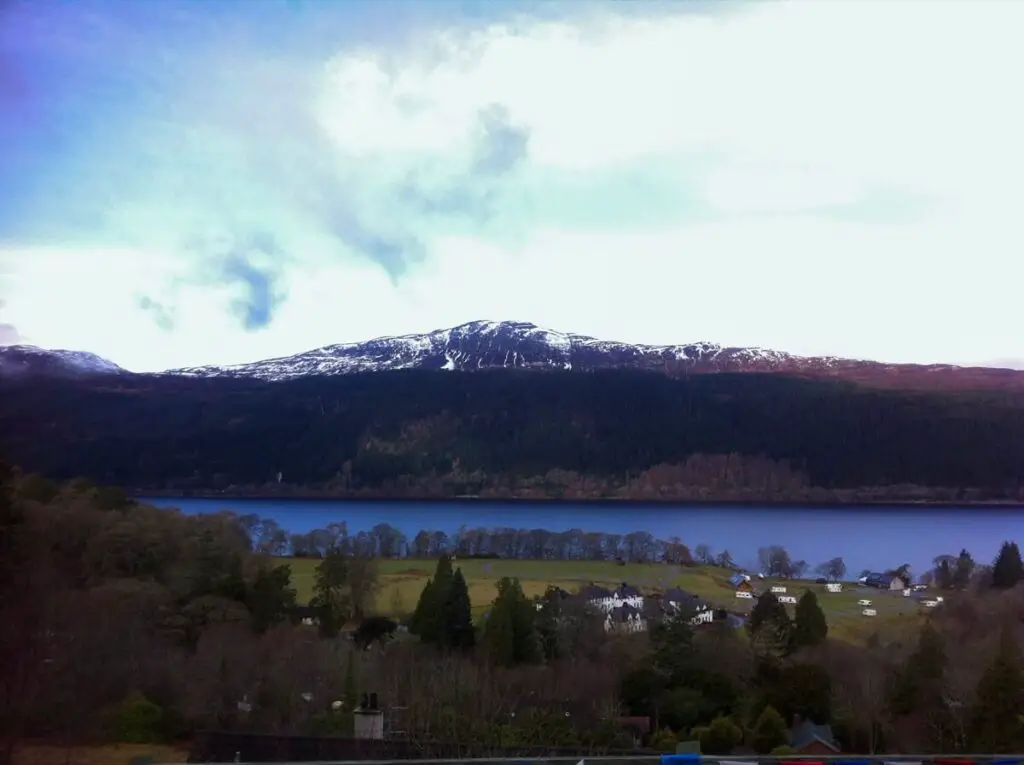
(474,431)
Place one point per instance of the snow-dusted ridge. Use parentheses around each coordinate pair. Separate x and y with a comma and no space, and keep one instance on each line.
(17,360)
(489,345)
(503,345)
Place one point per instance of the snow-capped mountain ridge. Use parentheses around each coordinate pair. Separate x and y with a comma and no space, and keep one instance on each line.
(495,345)
(482,344)
(16,360)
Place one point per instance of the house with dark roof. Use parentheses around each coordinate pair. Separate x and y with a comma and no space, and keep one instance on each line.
(597,597)
(605,600)
(627,594)
(676,600)
(806,738)
(554,595)
(884,582)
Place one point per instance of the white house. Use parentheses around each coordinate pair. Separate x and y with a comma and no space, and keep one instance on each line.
(624,618)
(834,587)
(627,595)
(607,600)
(790,599)
(676,600)
(864,602)
(778,589)
(869,612)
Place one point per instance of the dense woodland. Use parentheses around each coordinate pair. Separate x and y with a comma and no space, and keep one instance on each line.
(528,434)
(121,621)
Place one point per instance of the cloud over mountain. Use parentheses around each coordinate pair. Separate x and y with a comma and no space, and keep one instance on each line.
(249,185)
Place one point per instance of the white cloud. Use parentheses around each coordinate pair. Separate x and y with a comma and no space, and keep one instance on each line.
(834,178)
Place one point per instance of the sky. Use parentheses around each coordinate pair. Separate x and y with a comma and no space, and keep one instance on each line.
(216,182)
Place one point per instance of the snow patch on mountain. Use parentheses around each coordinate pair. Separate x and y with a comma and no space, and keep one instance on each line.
(480,345)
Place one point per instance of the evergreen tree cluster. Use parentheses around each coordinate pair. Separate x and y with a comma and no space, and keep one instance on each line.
(1008,569)
(774,634)
(443,615)
(511,636)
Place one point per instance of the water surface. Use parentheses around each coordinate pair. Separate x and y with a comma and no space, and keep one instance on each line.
(865,537)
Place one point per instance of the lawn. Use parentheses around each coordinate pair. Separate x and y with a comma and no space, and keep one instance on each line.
(401,582)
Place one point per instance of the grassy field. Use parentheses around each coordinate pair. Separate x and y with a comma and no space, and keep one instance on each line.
(401,582)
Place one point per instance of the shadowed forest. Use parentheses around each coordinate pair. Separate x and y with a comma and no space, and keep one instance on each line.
(613,434)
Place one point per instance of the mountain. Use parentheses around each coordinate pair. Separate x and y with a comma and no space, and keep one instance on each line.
(497,344)
(488,345)
(482,345)
(31,362)
(516,433)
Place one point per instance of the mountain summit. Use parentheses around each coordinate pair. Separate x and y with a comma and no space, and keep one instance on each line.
(505,345)
(483,345)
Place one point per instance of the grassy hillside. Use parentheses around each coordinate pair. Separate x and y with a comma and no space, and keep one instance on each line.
(401,582)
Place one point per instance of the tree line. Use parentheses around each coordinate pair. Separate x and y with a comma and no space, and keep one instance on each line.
(125,621)
(601,434)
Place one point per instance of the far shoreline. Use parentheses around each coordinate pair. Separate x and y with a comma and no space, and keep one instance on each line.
(592,501)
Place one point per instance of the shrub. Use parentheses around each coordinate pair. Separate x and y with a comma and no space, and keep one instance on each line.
(137,720)
(664,740)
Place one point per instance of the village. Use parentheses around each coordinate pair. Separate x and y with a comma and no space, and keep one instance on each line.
(626,608)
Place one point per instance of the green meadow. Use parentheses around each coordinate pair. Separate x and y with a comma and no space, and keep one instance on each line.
(401,581)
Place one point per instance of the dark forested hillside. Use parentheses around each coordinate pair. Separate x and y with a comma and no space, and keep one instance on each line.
(625,434)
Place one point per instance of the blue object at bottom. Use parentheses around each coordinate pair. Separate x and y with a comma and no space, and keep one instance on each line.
(680,759)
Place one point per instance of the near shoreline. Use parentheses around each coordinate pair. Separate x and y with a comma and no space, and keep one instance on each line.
(596,501)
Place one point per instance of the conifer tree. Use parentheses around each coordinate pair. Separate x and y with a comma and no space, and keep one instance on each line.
(944,576)
(1008,569)
(458,614)
(443,614)
(996,725)
(331,594)
(428,619)
(809,626)
(510,632)
(419,619)
(770,627)
(962,570)
(919,681)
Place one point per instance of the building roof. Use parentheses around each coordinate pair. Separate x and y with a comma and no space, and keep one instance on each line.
(593,592)
(737,579)
(627,591)
(807,732)
(682,599)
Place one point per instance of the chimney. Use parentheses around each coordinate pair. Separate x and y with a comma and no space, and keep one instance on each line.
(369,719)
